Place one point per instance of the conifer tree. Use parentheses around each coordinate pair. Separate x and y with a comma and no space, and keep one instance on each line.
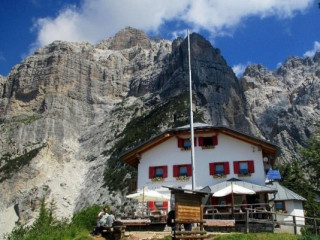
(311,159)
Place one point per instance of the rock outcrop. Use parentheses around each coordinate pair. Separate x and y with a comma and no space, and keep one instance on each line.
(63,110)
(285,104)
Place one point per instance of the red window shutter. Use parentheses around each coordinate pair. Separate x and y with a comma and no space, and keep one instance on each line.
(152,206)
(175,171)
(165,205)
(165,171)
(189,170)
(251,166)
(236,167)
(211,168)
(226,168)
(195,141)
(215,140)
(151,172)
(180,143)
(200,141)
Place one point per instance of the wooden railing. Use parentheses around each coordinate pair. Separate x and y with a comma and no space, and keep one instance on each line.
(259,213)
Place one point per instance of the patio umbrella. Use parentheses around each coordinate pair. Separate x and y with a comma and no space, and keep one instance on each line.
(237,186)
(233,188)
(148,195)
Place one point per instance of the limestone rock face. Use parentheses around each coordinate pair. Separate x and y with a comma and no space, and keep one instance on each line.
(285,103)
(65,107)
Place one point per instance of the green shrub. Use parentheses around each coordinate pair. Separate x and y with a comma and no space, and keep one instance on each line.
(87,217)
(46,227)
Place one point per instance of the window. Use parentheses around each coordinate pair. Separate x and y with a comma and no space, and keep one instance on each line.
(208,142)
(185,143)
(158,172)
(243,167)
(280,206)
(184,170)
(219,168)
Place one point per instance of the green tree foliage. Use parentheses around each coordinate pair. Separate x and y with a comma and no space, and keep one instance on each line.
(14,165)
(311,159)
(303,177)
(46,227)
(87,218)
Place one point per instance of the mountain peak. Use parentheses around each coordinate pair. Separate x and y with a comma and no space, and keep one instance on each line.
(129,37)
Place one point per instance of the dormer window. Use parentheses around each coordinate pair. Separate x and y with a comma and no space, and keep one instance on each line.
(185,143)
(208,142)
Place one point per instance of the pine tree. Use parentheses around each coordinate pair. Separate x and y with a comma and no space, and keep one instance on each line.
(311,159)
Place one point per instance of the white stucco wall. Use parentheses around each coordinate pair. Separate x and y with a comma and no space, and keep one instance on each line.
(228,150)
(293,208)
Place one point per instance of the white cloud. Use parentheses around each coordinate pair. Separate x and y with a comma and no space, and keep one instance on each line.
(311,53)
(98,19)
(239,69)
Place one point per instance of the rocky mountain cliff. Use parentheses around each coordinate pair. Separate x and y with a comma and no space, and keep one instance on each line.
(285,104)
(69,110)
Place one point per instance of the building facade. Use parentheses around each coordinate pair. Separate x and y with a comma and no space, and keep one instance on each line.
(220,153)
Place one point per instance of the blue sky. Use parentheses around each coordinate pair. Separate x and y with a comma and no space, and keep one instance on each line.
(246,31)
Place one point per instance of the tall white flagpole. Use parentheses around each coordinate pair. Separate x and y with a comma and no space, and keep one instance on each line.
(191,120)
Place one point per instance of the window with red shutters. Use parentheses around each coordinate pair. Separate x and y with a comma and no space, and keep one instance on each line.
(182,170)
(243,167)
(208,142)
(185,143)
(219,168)
(158,172)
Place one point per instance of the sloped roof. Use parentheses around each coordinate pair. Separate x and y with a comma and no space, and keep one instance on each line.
(132,156)
(284,193)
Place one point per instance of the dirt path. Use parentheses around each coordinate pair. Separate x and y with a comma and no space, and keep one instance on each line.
(137,235)
(148,235)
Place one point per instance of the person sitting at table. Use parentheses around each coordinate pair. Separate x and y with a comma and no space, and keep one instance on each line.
(110,219)
(102,219)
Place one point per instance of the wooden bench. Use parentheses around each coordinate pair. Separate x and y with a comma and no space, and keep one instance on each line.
(219,223)
(136,222)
